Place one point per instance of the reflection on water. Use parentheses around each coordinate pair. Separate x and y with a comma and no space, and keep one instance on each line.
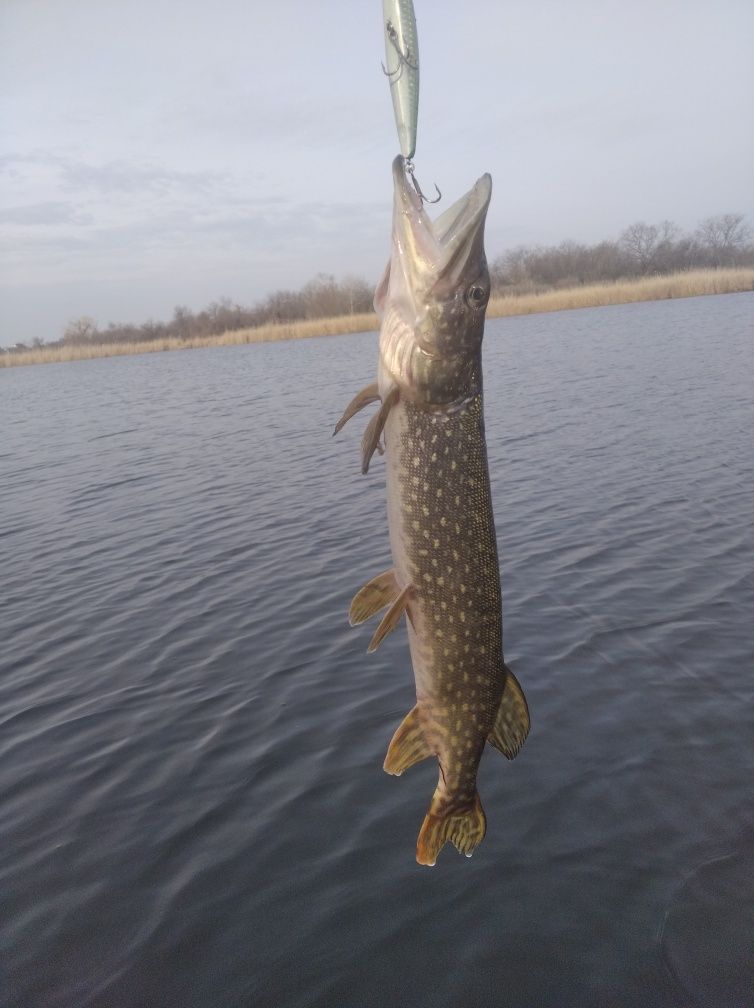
(191,793)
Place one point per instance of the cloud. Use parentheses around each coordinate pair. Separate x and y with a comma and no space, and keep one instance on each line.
(44,214)
(133,177)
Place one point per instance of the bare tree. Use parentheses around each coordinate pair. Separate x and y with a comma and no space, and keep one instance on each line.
(724,235)
(80,330)
(640,242)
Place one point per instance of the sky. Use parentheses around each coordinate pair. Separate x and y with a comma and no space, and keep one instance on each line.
(157,153)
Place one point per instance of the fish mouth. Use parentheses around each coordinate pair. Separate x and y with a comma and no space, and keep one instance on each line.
(442,249)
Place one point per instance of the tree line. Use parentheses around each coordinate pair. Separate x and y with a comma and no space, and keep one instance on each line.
(641,250)
(322,297)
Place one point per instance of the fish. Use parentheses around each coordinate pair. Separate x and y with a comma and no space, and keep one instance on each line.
(402,69)
(445,575)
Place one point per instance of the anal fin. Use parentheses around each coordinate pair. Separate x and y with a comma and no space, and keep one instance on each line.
(512,723)
(367,395)
(390,619)
(376,594)
(374,429)
(407,746)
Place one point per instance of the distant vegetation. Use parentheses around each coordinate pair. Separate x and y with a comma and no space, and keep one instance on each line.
(642,250)
(648,261)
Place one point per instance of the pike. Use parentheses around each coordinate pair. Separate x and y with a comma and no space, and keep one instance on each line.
(445,576)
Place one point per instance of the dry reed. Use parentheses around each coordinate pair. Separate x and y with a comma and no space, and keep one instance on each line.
(693,283)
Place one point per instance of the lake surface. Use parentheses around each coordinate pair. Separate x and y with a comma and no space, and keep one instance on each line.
(192,805)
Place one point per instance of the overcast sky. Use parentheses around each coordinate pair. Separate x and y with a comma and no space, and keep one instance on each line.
(164,152)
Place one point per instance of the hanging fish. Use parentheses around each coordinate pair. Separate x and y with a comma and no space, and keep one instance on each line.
(402,69)
(445,576)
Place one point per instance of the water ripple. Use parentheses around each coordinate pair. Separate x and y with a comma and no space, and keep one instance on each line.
(193,806)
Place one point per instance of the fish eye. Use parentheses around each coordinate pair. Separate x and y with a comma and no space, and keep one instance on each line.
(476,295)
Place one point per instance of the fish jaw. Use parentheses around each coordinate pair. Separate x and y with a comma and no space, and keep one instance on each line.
(433,297)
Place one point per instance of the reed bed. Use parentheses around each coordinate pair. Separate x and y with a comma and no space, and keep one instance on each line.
(693,283)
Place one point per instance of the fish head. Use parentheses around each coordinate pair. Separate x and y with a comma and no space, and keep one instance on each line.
(433,297)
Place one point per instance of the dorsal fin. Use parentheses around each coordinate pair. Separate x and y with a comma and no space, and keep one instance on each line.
(512,722)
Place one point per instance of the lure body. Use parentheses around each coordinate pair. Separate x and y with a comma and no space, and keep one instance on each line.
(402,69)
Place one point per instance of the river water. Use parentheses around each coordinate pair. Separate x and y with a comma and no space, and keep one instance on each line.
(192,805)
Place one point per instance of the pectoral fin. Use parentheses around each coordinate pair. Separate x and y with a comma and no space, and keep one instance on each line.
(390,619)
(374,596)
(407,746)
(372,434)
(360,400)
(512,723)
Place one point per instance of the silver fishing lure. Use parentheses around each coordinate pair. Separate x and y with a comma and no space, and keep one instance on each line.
(402,69)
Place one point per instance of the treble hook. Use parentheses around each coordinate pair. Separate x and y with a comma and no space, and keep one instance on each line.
(415,182)
(404,59)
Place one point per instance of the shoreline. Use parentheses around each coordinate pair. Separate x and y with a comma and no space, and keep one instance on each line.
(695,283)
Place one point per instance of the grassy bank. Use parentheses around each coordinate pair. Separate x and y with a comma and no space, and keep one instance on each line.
(675,285)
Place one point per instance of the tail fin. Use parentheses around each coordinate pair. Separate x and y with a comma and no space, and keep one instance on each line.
(463,829)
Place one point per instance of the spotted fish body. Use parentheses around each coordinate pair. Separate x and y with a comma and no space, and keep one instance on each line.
(445,575)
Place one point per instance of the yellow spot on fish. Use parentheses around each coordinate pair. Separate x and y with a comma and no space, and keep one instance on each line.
(434,456)
(427,578)
(439,491)
(425,533)
(425,510)
(462,589)
(415,524)
(453,464)
(443,520)
(440,580)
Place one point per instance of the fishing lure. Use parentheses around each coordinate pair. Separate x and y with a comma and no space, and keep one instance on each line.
(402,69)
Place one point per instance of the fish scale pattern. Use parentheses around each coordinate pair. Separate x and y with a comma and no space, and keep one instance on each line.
(449,534)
